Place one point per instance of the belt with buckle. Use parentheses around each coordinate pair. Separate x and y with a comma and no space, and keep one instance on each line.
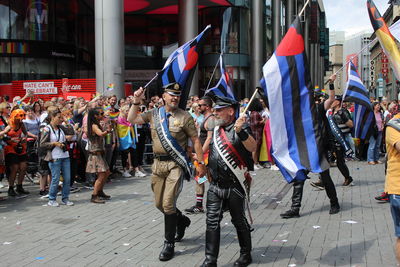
(163,157)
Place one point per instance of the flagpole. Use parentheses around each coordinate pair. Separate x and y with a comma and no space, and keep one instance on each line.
(347,62)
(304,8)
(212,75)
(251,100)
(147,84)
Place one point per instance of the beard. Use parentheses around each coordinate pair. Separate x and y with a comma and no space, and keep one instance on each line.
(173,105)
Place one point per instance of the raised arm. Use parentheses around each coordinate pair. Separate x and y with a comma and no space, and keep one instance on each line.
(133,111)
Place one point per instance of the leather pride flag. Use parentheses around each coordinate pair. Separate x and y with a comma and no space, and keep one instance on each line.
(296,136)
(385,38)
(181,65)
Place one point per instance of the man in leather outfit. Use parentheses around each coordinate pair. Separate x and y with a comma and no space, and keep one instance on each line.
(225,191)
(325,177)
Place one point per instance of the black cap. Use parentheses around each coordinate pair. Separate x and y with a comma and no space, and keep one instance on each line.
(173,89)
(223,102)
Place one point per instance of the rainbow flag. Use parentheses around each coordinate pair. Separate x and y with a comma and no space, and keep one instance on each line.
(265,150)
(114,115)
(110,87)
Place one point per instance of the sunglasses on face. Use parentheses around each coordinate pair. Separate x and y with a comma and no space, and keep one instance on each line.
(200,105)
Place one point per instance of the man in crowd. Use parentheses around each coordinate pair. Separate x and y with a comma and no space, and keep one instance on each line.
(325,177)
(171,127)
(234,144)
(206,127)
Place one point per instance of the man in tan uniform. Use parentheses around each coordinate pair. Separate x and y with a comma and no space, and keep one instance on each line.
(167,176)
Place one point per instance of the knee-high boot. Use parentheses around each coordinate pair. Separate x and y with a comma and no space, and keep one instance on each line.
(212,247)
(245,249)
(168,250)
(296,200)
(182,223)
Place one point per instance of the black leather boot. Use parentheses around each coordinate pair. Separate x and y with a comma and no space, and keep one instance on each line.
(335,207)
(245,249)
(168,250)
(182,223)
(212,248)
(296,201)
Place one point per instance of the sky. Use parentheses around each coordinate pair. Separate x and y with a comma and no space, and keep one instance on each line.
(350,16)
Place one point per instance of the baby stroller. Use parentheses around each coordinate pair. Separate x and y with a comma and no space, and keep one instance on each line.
(33,158)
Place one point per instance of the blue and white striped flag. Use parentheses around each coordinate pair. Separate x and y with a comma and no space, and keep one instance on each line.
(224,85)
(296,137)
(181,65)
(355,90)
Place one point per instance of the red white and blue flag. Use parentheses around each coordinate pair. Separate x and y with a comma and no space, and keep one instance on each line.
(224,85)
(181,65)
(296,136)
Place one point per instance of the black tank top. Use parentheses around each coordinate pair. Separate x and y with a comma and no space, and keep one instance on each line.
(203,130)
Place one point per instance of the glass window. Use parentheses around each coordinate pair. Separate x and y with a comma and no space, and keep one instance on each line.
(30,20)
(17,68)
(64,69)
(5,75)
(65,20)
(4,19)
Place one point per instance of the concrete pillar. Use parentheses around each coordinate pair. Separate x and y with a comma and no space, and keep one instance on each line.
(257,51)
(188,29)
(109,46)
(289,13)
(276,23)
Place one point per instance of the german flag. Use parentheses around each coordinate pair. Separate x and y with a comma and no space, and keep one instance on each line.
(385,38)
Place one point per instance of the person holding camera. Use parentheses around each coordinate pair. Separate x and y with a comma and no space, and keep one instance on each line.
(54,140)
(15,151)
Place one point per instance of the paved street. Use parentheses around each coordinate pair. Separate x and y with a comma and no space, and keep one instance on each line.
(128,230)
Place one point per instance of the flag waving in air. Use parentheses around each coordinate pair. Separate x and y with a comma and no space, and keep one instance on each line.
(181,65)
(385,38)
(224,85)
(355,90)
(296,138)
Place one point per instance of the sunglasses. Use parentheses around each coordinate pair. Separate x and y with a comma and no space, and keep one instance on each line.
(200,105)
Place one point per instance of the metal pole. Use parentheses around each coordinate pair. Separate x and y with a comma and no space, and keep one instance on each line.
(276,22)
(109,46)
(188,29)
(257,55)
(289,13)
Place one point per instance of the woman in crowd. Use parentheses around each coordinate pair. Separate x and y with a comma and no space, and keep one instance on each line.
(78,112)
(127,143)
(96,161)
(31,123)
(375,139)
(54,140)
(257,126)
(37,109)
(15,151)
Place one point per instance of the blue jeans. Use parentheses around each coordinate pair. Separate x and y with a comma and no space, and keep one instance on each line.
(374,147)
(57,167)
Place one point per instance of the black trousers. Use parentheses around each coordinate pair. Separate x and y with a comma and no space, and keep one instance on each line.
(219,199)
(134,158)
(340,161)
(141,145)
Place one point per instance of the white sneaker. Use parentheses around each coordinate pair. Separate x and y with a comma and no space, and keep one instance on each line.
(126,174)
(256,167)
(1,185)
(52,203)
(274,168)
(139,174)
(67,203)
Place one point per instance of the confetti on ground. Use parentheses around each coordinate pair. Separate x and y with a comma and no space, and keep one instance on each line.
(276,240)
(278,202)
(44,205)
(154,220)
(87,231)
(146,203)
(316,226)
(226,223)
(182,250)
(18,222)
(274,198)
(284,234)
(292,265)
(126,244)
(7,243)
(350,222)
(262,255)
(125,228)
(39,258)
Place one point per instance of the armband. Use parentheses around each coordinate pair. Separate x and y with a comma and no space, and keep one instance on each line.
(243,135)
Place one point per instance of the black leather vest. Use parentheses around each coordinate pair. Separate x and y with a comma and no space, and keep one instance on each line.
(220,172)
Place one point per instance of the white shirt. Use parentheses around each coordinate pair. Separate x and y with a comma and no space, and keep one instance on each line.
(43,116)
(57,136)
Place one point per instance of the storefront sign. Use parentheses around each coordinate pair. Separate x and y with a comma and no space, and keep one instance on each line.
(40,88)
